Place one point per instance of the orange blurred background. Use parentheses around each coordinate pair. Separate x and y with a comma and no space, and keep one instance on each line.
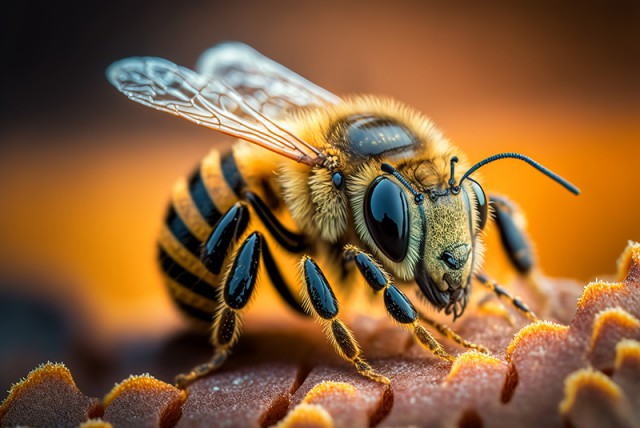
(85,174)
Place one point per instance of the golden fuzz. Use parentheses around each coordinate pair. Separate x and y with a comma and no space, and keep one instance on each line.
(314,125)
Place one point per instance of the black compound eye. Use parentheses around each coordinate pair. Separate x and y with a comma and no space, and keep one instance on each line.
(386,213)
(482,206)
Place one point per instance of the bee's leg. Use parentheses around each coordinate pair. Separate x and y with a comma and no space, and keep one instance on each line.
(489,297)
(229,228)
(290,241)
(400,307)
(238,288)
(452,335)
(502,293)
(278,281)
(512,234)
(319,300)
(516,243)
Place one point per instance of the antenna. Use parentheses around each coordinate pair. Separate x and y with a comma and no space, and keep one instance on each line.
(452,181)
(564,183)
(418,197)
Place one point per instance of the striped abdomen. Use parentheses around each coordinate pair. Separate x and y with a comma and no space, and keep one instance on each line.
(197,203)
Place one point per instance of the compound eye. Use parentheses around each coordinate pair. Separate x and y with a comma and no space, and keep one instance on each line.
(386,213)
(482,206)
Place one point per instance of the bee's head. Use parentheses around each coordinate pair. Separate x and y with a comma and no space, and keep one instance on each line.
(431,234)
(427,236)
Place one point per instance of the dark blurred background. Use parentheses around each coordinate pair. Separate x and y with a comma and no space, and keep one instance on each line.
(85,174)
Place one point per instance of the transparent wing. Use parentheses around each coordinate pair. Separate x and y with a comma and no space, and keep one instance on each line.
(268,86)
(207,101)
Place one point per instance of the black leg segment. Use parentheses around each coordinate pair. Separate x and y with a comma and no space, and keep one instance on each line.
(399,306)
(228,229)
(320,294)
(344,340)
(370,270)
(290,241)
(513,237)
(242,277)
(226,327)
(278,281)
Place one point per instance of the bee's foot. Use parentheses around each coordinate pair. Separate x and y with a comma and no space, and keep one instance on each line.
(367,371)
(184,380)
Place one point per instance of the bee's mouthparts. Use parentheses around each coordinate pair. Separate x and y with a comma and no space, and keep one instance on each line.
(438,298)
(452,300)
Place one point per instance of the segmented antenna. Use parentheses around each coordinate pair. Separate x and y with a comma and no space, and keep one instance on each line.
(452,181)
(418,197)
(564,183)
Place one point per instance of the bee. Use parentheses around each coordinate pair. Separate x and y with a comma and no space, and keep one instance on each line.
(335,182)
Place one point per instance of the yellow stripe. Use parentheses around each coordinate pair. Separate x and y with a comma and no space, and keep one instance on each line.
(188,211)
(221,194)
(187,296)
(183,257)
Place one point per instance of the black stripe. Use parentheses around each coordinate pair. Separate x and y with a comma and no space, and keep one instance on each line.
(182,232)
(201,198)
(186,278)
(231,173)
(194,312)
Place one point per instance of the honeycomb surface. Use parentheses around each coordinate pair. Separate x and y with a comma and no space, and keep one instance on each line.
(579,368)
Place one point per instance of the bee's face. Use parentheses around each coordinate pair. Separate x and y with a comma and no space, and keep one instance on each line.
(429,239)
(444,272)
